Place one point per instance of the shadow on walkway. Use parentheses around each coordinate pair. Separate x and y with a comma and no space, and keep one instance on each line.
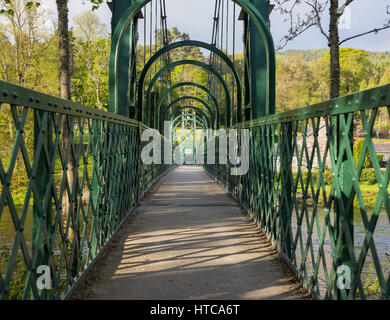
(189,240)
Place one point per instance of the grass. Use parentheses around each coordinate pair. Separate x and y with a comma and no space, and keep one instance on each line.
(18,197)
(381,140)
(369,194)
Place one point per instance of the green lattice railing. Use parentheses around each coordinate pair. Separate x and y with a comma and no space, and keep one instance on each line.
(69,176)
(308,194)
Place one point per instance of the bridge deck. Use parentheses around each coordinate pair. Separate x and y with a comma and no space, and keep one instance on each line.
(189,240)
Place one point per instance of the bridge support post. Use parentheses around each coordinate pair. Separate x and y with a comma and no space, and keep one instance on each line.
(42,182)
(344,215)
(287,183)
(194,141)
(257,75)
(126,74)
(95,190)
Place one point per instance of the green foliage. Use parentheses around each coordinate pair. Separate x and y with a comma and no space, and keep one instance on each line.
(357,150)
(19,276)
(371,285)
(315,177)
(302,76)
(368,176)
(328,176)
(96,4)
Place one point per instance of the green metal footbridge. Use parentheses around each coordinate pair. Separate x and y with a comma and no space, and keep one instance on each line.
(85,174)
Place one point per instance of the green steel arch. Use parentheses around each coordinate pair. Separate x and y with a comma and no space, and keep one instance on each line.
(127,18)
(190,107)
(189,98)
(186,43)
(191,62)
(183,84)
(195,119)
(198,120)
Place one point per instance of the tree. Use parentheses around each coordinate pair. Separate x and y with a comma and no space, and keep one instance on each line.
(10,10)
(24,45)
(65,93)
(64,88)
(24,39)
(92,46)
(314,18)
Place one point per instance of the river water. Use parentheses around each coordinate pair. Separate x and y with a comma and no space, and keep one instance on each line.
(381,239)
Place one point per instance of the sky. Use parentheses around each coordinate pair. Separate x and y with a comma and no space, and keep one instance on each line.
(195,18)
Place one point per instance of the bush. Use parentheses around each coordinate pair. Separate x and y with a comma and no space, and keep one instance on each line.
(357,150)
(19,277)
(328,176)
(315,175)
(368,176)
(380,158)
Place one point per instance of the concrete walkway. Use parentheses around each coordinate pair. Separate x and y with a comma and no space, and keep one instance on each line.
(189,240)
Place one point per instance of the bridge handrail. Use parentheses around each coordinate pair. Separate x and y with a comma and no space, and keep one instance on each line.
(70,175)
(367,99)
(305,188)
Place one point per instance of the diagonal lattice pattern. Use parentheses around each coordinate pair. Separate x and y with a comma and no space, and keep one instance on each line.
(306,188)
(69,176)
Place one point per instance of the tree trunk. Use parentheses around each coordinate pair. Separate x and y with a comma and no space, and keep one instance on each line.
(63,41)
(68,207)
(334,47)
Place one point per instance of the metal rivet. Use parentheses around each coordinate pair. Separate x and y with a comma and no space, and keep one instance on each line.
(31,99)
(14,95)
(5,93)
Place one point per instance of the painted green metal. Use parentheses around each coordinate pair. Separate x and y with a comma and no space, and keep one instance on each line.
(195,63)
(106,182)
(197,119)
(292,177)
(180,44)
(126,74)
(258,67)
(176,101)
(302,193)
(246,5)
(183,84)
(172,114)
